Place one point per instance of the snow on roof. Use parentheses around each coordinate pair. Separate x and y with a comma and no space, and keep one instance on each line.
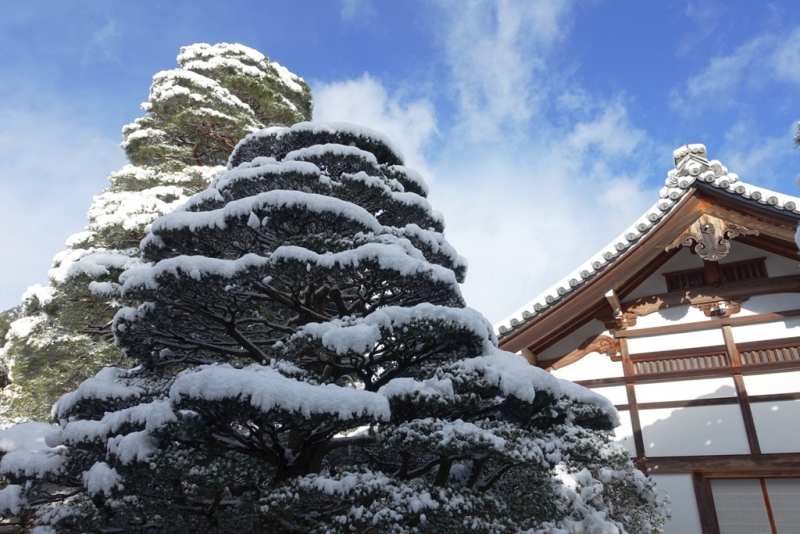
(691,167)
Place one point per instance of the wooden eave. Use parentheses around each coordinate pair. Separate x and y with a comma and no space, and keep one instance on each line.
(776,234)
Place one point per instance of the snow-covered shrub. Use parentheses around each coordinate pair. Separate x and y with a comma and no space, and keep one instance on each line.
(305,363)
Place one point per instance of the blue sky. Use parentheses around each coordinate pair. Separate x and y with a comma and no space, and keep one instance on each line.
(543,127)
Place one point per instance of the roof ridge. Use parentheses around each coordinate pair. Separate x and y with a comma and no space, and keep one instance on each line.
(691,167)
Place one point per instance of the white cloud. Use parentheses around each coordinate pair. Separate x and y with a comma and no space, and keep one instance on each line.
(355,9)
(752,66)
(527,207)
(610,132)
(526,217)
(409,123)
(496,51)
(756,158)
(102,46)
(51,168)
(786,58)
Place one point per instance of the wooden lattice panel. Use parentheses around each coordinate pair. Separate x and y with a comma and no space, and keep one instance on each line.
(688,363)
(728,272)
(682,280)
(743,270)
(789,353)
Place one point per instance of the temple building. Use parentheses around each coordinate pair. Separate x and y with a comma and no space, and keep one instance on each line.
(689,323)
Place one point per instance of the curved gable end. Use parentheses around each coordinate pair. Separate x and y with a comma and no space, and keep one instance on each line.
(689,322)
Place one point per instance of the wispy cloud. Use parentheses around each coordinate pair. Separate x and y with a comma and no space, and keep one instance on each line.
(757,158)
(497,54)
(102,46)
(353,10)
(51,168)
(409,122)
(752,66)
(527,216)
(526,206)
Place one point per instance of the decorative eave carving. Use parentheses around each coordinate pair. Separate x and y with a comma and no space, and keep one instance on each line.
(710,237)
(601,343)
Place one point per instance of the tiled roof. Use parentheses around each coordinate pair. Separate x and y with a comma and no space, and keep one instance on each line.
(691,167)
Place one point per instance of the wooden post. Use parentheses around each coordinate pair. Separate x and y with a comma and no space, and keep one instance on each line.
(705,504)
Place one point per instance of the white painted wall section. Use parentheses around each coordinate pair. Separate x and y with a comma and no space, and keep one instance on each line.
(694,431)
(777,425)
(593,365)
(573,340)
(670,316)
(615,394)
(706,388)
(789,327)
(683,505)
(770,303)
(683,340)
(772,383)
(656,284)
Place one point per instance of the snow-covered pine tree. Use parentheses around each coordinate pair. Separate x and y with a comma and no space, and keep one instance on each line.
(194,116)
(305,364)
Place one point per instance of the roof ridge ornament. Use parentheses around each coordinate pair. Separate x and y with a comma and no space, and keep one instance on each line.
(692,163)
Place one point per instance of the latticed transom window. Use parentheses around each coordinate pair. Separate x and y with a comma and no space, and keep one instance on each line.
(730,272)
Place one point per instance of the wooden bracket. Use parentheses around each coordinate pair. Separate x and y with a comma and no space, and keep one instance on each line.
(601,343)
(617,319)
(710,237)
(720,308)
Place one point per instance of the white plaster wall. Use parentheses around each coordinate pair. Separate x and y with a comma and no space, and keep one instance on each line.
(770,303)
(776,265)
(789,327)
(772,383)
(683,340)
(573,340)
(670,316)
(706,388)
(624,432)
(615,394)
(700,430)
(683,504)
(656,283)
(777,425)
(593,365)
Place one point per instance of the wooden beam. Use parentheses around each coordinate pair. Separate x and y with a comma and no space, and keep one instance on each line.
(530,356)
(704,295)
(707,325)
(636,424)
(747,415)
(695,373)
(730,465)
(613,301)
(720,401)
